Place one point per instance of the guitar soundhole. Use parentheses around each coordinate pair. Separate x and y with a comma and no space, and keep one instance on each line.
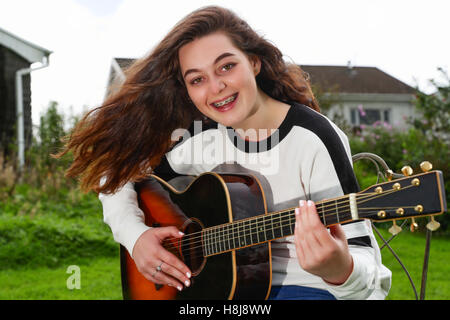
(191,248)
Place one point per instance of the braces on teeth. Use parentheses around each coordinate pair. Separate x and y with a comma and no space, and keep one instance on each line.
(230,99)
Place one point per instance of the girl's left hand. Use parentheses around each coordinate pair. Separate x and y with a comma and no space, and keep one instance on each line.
(320,252)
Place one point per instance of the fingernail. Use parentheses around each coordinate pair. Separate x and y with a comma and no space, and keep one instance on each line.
(180,233)
(310,203)
(188,274)
(187,283)
(302,203)
(179,288)
(297,211)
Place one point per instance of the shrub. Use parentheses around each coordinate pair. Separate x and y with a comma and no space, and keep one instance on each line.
(403,147)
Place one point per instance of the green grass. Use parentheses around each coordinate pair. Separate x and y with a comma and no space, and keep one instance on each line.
(99,280)
(41,237)
(410,247)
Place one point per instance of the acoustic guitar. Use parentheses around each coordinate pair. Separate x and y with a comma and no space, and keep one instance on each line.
(228,229)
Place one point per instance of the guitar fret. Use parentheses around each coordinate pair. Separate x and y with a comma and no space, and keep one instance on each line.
(210,242)
(240,233)
(257,230)
(220,239)
(280,225)
(253,234)
(205,242)
(337,210)
(205,235)
(291,215)
(262,227)
(286,224)
(271,226)
(228,237)
(224,243)
(215,240)
(323,215)
(237,233)
(244,237)
(245,232)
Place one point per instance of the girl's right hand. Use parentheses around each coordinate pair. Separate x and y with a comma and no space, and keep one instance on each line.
(157,264)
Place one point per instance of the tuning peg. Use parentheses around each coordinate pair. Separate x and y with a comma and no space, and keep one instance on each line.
(426,166)
(407,170)
(389,174)
(395,229)
(433,225)
(414,226)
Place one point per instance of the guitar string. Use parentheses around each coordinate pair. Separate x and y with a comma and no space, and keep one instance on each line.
(216,247)
(218,240)
(272,215)
(265,218)
(221,239)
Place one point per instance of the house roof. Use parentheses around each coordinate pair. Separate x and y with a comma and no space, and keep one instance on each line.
(339,79)
(352,79)
(29,51)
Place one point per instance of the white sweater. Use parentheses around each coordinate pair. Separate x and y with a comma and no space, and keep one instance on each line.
(308,157)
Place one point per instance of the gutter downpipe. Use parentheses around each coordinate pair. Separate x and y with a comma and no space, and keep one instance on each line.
(19,110)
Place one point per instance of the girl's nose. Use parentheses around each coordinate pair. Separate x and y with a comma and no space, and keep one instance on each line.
(217,85)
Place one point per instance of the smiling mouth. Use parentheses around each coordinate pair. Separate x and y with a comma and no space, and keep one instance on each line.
(225,102)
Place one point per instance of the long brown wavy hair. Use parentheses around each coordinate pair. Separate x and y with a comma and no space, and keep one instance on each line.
(127,135)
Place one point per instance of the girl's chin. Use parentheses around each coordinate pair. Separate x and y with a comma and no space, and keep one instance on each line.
(230,122)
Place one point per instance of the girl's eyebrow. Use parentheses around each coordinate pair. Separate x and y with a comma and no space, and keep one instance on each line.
(222,56)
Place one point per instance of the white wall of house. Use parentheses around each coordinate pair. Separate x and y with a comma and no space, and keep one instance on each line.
(391,108)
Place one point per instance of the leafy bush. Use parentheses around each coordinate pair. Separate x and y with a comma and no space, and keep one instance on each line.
(49,241)
(400,148)
(45,220)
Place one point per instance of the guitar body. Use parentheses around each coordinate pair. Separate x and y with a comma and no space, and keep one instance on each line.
(209,200)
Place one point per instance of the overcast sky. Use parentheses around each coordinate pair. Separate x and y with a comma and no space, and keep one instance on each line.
(406,39)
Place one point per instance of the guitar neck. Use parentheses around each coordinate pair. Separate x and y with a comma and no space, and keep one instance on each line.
(271,226)
(412,196)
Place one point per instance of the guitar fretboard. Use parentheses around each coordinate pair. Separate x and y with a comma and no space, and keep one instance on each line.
(272,226)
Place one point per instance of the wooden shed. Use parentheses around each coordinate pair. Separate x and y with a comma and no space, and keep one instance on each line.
(16,57)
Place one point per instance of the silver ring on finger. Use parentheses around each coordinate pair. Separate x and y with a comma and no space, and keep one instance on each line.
(158,268)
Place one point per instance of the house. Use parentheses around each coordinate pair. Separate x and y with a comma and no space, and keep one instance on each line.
(16,57)
(361,95)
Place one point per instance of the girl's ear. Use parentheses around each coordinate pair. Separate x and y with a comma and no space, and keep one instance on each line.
(256,64)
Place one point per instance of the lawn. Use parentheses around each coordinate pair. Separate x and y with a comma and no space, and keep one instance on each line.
(100,279)
(410,247)
(40,238)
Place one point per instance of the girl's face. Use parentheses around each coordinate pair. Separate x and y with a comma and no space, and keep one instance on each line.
(220,79)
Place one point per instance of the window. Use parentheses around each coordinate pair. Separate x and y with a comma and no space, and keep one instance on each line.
(360,116)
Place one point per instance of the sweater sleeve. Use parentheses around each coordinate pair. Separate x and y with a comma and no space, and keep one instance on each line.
(123,215)
(370,279)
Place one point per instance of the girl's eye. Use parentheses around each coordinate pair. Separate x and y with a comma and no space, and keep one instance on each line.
(196,80)
(228,66)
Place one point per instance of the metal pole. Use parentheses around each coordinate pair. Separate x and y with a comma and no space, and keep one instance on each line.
(425,265)
(19,111)
(20,122)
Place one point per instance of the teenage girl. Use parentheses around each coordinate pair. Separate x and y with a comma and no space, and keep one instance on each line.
(246,110)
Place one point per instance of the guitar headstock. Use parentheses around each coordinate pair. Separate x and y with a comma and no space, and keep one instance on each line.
(412,196)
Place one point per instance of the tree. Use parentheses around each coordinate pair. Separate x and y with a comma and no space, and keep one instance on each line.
(435,126)
(435,108)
